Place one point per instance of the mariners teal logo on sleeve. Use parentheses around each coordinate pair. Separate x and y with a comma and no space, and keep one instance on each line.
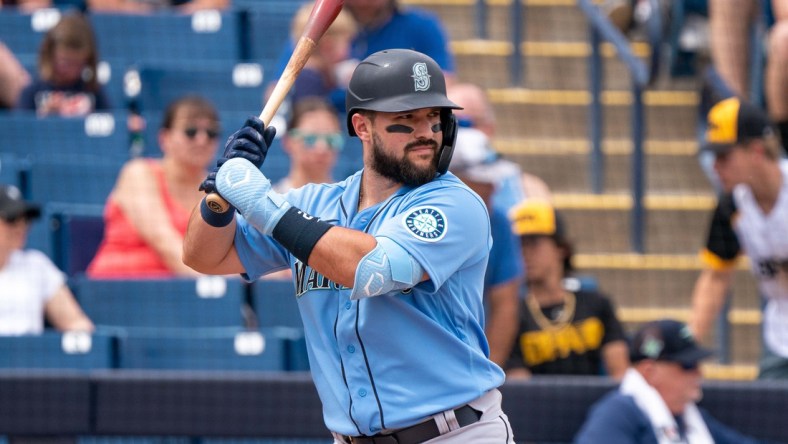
(426,223)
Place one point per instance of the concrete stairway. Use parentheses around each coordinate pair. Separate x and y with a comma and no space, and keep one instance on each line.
(543,125)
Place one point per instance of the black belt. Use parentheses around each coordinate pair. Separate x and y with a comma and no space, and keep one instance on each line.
(419,433)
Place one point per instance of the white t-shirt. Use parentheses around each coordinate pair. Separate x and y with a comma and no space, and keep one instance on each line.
(764,237)
(27,283)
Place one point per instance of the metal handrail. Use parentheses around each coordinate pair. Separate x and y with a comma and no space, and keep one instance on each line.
(602,30)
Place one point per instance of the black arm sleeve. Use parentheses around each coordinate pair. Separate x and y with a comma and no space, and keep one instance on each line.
(722,240)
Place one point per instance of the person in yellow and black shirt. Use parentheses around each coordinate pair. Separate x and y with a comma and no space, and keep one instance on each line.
(562,330)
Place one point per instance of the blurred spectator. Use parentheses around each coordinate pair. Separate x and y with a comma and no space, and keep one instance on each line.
(752,218)
(383,24)
(476,164)
(13,78)
(26,5)
(562,330)
(731,25)
(147,212)
(776,81)
(31,286)
(327,72)
(655,402)
(478,113)
(313,142)
(149,6)
(66,83)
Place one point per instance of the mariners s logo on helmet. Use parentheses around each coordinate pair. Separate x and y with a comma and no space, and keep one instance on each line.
(421,77)
(426,223)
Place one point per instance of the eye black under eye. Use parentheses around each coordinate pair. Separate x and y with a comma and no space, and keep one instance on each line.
(398,128)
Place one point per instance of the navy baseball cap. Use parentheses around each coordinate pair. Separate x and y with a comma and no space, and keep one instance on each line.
(13,206)
(667,340)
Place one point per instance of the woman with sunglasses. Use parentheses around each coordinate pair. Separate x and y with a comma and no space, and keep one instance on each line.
(147,212)
(313,142)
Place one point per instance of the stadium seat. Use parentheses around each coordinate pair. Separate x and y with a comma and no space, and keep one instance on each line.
(269,30)
(229,86)
(76,232)
(169,38)
(54,184)
(266,441)
(159,304)
(55,350)
(76,181)
(134,440)
(23,32)
(275,304)
(102,136)
(12,170)
(200,349)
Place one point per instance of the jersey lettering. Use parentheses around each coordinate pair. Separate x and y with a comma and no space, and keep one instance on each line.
(769,268)
(543,346)
(307,279)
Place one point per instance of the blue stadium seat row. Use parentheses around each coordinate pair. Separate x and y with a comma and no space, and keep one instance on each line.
(248,31)
(95,137)
(177,303)
(269,349)
(205,302)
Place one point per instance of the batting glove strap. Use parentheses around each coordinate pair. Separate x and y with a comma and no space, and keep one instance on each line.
(215,219)
(299,232)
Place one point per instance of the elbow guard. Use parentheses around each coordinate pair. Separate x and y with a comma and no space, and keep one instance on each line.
(388,267)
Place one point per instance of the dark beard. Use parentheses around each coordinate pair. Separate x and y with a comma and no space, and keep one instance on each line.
(402,170)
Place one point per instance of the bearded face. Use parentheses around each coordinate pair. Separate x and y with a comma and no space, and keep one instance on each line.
(402,168)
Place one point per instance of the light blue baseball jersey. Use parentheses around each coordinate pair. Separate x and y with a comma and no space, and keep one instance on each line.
(389,361)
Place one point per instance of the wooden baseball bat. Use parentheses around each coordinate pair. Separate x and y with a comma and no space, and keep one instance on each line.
(322,16)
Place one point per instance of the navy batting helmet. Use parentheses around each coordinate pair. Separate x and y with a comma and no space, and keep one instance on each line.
(396,80)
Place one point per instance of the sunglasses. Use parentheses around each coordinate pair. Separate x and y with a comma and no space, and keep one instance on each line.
(335,141)
(191,133)
(14,219)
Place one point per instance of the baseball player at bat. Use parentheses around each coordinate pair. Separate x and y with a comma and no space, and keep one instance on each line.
(388,264)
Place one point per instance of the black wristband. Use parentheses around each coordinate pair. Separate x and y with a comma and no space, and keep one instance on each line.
(299,232)
(215,219)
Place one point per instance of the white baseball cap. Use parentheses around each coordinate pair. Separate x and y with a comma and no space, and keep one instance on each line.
(475,159)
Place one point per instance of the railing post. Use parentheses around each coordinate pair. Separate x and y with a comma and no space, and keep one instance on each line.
(638,170)
(596,167)
(724,332)
(516,62)
(481,19)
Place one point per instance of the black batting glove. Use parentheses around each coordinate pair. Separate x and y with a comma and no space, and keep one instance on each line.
(251,142)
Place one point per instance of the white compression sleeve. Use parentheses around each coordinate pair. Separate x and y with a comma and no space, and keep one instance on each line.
(386,268)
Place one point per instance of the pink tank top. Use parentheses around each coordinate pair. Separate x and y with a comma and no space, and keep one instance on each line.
(123,253)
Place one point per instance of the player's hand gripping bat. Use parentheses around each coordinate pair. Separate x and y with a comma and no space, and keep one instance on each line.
(323,14)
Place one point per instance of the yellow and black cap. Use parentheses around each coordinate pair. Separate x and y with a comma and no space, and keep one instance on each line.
(536,218)
(734,122)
